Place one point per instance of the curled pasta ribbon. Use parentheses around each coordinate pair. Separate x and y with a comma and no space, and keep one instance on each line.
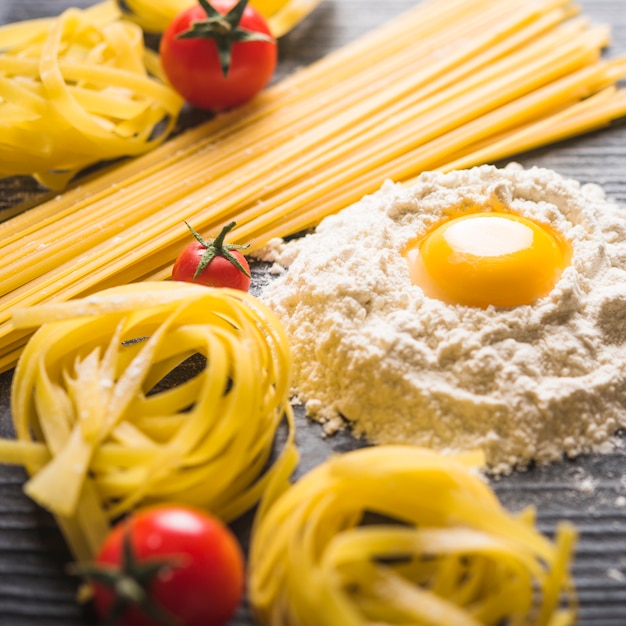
(403,535)
(76,90)
(103,426)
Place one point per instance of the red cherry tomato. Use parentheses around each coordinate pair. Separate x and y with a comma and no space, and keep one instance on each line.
(213,263)
(198,576)
(193,67)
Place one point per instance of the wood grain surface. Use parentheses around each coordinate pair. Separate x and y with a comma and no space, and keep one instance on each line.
(589,491)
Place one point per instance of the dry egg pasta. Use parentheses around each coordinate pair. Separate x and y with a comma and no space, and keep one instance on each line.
(403,535)
(101,430)
(523,380)
(76,90)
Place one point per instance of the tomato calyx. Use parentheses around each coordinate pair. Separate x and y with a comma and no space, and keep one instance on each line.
(217,247)
(129,583)
(224,29)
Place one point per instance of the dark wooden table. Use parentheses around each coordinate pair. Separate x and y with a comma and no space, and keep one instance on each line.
(589,491)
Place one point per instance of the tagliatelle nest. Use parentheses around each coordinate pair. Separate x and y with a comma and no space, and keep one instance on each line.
(100,428)
(403,535)
(78,89)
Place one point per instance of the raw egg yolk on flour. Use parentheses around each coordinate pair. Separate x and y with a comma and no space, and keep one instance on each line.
(483,259)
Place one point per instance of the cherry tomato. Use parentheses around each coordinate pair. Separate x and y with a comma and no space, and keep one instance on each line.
(187,563)
(220,66)
(213,263)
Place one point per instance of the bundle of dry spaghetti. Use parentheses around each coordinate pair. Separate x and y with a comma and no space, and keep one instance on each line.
(404,535)
(110,412)
(449,84)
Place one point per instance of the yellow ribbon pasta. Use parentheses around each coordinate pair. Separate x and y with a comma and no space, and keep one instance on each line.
(102,426)
(403,535)
(76,90)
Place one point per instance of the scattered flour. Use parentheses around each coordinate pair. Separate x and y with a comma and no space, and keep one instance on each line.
(525,383)
(616,574)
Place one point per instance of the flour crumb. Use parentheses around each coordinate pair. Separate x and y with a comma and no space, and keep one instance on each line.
(616,574)
(333,425)
(588,486)
(529,383)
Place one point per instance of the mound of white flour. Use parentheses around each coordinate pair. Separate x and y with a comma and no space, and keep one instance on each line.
(526,383)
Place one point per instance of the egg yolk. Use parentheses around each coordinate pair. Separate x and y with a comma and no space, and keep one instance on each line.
(483,259)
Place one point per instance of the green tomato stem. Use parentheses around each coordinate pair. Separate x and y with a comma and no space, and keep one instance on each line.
(224,29)
(217,247)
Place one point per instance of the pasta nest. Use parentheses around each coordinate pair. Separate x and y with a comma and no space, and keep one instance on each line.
(78,89)
(404,535)
(113,410)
